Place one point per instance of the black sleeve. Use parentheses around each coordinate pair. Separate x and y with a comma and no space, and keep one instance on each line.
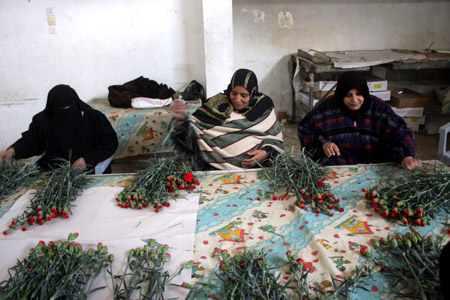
(32,141)
(181,137)
(105,140)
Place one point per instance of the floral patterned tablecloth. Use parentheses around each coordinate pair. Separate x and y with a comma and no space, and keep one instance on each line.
(140,131)
(230,216)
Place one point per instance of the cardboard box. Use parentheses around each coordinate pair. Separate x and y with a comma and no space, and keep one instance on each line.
(414,120)
(324,85)
(403,97)
(383,95)
(408,111)
(321,94)
(375,83)
(413,127)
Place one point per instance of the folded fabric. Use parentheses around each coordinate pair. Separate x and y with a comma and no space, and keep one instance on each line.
(142,102)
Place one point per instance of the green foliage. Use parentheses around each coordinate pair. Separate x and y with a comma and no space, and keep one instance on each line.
(57,270)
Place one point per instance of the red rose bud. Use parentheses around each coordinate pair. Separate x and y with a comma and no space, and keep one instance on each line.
(5,232)
(167,204)
(365,252)
(275,197)
(320,183)
(156,210)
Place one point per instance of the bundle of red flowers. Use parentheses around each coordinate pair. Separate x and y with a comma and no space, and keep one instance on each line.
(156,185)
(53,198)
(304,178)
(412,198)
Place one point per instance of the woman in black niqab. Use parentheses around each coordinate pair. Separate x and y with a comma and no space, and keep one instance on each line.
(67,128)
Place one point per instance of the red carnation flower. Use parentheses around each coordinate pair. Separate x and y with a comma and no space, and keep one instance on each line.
(188,177)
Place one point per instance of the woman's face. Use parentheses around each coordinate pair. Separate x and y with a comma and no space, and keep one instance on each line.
(239,97)
(353,100)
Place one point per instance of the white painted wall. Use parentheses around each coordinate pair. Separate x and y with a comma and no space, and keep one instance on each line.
(99,43)
(266,32)
(218,39)
(96,44)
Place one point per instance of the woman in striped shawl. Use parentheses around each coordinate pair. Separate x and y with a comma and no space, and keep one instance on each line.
(233,130)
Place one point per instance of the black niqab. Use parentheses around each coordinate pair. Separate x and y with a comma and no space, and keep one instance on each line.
(64,113)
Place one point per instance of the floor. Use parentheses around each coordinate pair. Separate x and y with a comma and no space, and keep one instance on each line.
(427,148)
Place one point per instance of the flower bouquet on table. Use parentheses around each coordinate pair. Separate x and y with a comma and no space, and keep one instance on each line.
(154,186)
(413,198)
(14,176)
(411,260)
(53,197)
(305,179)
(56,270)
(145,275)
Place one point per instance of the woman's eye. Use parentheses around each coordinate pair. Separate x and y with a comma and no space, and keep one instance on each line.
(244,95)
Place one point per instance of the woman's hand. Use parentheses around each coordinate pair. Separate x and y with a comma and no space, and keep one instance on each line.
(331,149)
(80,163)
(257,156)
(179,109)
(7,154)
(411,163)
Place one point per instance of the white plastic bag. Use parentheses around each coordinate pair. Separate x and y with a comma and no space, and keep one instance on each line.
(142,102)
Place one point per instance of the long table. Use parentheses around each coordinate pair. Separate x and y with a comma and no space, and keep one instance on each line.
(230,217)
(140,131)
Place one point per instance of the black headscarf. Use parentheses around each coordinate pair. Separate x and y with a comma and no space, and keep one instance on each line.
(348,81)
(258,103)
(217,109)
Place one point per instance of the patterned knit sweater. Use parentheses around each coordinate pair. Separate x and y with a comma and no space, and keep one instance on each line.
(380,136)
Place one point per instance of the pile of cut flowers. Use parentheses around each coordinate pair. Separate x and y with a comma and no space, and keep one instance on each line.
(154,186)
(305,179)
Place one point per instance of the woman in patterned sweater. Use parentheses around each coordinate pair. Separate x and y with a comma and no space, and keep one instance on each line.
(235,129)
(353,127)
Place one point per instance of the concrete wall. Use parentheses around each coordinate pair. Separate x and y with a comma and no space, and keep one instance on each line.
(98,43)
(267,32)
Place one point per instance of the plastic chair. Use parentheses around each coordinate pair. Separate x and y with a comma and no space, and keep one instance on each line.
(99,167)
(444,155)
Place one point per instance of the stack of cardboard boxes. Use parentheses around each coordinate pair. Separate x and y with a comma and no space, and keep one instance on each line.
(377,87)
(406,103)
(409,105)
